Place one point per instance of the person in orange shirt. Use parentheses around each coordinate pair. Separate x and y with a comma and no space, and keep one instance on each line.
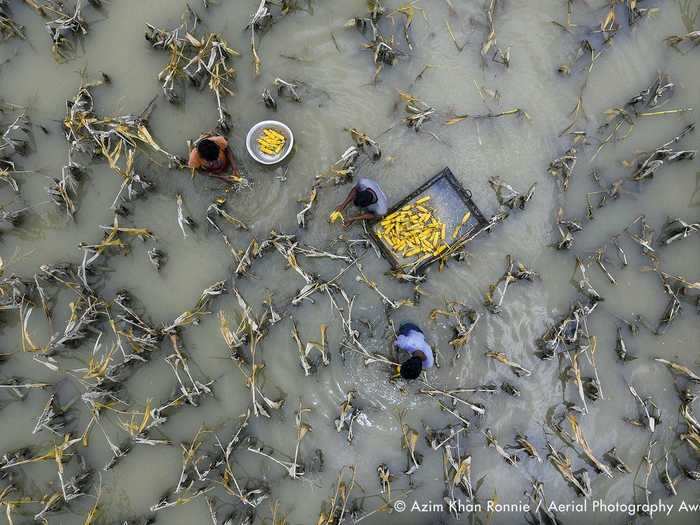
(213,156)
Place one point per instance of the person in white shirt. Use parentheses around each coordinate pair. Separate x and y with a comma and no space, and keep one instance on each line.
(369,197)
(412,340)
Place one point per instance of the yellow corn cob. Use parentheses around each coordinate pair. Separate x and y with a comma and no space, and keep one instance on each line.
(414,230)
(267,150)
(270,145)
(273,132)
(267,140)
(272,138)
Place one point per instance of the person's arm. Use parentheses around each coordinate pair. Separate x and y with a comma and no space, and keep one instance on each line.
(363,216)
(232,162)
(225,178)
(348,199)
(194,162)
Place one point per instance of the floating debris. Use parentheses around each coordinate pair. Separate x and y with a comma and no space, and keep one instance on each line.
(211,66)
(649,164)
(13,141)
(563,168)
(384,49)
(497,291)
(580,280)
(567,333)
(301,216)
(687,41)
(63,26)
(621,120)
(8,27)
(510,389)
(334,508)
(676,229)
(563,465)
(615,462)
(348,413)
(524,445)
(305,350)
(500,56)
(409,441)
(418,111)
(679,369)
(465,320)
(491,441)
(261,21)
(621,348)
(269,100)
(651,415)
(288,89)
(516,368)
(116,139)
(508,196)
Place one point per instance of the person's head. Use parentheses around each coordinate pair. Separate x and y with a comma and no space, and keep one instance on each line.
(208,149)
(411,368)
(364,198)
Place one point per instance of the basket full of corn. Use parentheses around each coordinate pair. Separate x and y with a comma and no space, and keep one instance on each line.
(424,226)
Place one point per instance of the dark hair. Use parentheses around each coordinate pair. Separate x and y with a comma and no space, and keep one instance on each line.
(364,198)
(411,368)
(208,149)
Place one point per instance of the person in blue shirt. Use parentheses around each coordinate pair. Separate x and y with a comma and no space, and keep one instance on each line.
(411,339)
(368,196)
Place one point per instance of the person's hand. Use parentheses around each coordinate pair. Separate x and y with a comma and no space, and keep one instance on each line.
(234,165)
(226,178)
(347,223)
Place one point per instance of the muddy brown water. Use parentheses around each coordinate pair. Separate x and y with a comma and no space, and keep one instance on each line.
(341,94)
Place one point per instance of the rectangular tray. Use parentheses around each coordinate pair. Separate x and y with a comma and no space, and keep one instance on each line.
(450,201)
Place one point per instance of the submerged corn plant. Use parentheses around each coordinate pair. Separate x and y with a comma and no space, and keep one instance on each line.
(378,27)
(116,139)
(65,24)
(211,66)
(8,27)
(489,44)
(14,141)
(266,14)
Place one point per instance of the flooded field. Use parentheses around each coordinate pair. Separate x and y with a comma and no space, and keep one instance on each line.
(184,350)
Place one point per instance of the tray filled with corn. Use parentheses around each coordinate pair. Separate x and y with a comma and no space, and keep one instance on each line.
(425,225)
(416,230)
